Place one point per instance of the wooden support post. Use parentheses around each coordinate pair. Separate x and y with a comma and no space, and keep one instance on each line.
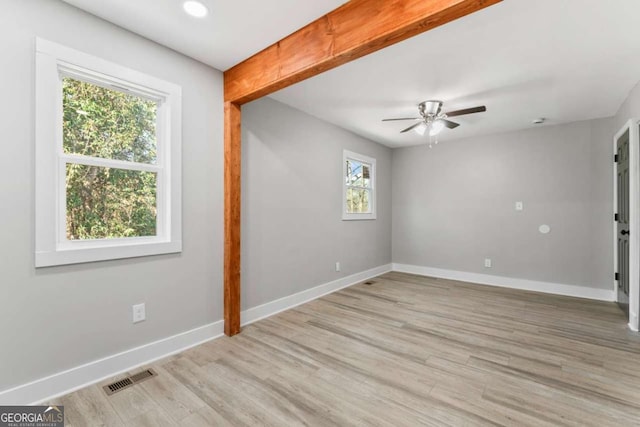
(355,29)
(232,205)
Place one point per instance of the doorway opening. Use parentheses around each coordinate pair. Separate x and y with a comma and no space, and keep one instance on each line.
(627,221)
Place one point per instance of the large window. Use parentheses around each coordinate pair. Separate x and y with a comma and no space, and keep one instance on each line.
(107,160)
(358,195)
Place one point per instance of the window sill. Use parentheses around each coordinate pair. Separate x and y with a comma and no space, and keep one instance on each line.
(105,253)
(358,217)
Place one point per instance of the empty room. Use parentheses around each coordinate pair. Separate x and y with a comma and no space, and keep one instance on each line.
(314,213)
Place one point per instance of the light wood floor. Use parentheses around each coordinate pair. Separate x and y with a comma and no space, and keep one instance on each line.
(407,350)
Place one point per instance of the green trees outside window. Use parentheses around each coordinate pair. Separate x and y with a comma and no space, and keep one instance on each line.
(358,180)
(108,202)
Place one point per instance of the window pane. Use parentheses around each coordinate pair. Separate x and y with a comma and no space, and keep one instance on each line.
(358,174)
(105,203)
(357,200)
(106,123)
(364,201)
(354,173)
(366,175)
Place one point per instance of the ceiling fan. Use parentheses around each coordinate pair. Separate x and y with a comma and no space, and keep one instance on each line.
(433,119)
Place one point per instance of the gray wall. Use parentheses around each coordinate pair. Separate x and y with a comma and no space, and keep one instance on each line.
(454,205)
(293,233)
(58,318)
(629,109)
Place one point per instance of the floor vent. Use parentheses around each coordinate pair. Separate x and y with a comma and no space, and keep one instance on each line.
(141,376)
(369,282)
(129,381)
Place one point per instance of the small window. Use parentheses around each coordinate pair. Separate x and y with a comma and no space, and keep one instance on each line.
(359,197)
(107,160)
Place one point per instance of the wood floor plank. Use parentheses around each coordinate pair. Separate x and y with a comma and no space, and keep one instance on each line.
(174,398)
(89,406)
(206,417)
(406,350)
(154,418)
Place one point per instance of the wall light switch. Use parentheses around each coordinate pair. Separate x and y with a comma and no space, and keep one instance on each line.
(519,206)
(487,262)
(139,313)
(337,266)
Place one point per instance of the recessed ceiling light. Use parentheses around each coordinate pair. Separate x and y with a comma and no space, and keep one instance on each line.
(195,8)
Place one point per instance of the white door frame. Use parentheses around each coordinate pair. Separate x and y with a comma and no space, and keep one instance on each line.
(634,219)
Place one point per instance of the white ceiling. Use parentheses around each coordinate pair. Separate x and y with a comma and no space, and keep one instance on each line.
(566,60)
(233,30)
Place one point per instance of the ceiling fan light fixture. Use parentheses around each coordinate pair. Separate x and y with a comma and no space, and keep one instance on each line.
(436,127)
(421,129)
(434,120)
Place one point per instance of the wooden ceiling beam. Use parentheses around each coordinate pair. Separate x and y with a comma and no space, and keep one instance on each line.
(357,28)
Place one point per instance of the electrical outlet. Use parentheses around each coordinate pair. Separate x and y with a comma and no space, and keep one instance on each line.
(139,313)
(487,262)
(337,266)
(519,206)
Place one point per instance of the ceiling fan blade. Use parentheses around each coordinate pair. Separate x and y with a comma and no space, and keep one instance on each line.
(411,127)
(480,109)
(449,124)
(404,118)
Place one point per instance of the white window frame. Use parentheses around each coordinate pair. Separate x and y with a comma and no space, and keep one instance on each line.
(53,63)
(350,155)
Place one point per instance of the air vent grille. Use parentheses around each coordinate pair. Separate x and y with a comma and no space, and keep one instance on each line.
(128,382)
(148,373)
(117,386)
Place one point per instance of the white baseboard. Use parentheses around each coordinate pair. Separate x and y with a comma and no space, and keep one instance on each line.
(507,282)
(269,309)
(633,320)
(65,382)
(59,384)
